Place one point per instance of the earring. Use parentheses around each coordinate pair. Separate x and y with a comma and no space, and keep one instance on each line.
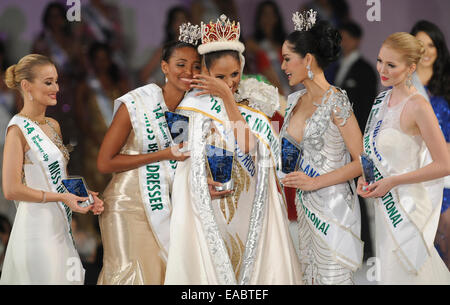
(310,72)
(31,97)
(409,81)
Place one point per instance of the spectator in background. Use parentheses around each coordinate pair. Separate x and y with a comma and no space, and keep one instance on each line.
(94,108)
(359,79)
(354,74)
(151,72)
(5,231)
(102,23)
(265,45)
(334,11)
(434,73)
(210,10)
(8,107)
(57,42)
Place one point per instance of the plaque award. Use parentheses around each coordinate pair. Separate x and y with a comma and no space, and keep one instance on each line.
(290,157)
(178,125)
(368,168)
(77,186)
(220,162)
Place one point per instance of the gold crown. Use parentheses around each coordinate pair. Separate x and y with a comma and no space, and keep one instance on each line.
(222,30)
(221,35)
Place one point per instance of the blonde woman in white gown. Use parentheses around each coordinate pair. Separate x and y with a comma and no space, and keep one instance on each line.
(410,156)
(41,248)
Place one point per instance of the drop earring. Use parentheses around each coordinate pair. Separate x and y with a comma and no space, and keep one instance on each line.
(409,81)
(310,72)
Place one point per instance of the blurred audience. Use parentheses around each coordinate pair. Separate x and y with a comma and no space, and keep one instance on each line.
(263,49)
(8,107)
(5,232)
(210,10)
(434,73)
(94,108)
(101,23)
(334,11)
(87,242)
(57,42)
(355,74)
(151,72)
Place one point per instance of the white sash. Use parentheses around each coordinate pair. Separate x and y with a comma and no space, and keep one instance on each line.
(51,159)
(146,108)
(335,227)
(413,244)
(258,122)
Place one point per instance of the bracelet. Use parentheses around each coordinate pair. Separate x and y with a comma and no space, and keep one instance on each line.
(43,197)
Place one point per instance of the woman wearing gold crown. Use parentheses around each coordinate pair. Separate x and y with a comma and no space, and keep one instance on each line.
(319,121)
(242,237)
(138,149)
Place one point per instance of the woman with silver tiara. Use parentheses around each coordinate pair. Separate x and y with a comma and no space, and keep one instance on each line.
(321,143)
(241,237)
(139,152)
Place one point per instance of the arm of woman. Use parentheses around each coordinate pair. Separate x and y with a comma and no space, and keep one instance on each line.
(211,85)
(110,160)
(353,140)
(14,189)
(423,117)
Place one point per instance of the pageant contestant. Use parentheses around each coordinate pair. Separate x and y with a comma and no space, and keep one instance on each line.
(41,248)
(401,126)
(139,151)
(434,73)
(319,121)
(243,237)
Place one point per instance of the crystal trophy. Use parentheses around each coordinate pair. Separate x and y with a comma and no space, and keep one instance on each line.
(290,157)
(220,163)
(178,125)
(368,168)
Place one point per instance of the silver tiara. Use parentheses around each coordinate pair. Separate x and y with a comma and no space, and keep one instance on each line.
(190,33)
(304,21)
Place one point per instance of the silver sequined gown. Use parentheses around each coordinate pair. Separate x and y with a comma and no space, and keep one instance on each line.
(324,151)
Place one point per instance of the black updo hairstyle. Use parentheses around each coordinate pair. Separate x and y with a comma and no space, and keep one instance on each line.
(322,40)
(171,46)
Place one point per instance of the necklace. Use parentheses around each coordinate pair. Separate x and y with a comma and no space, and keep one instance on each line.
(35,121)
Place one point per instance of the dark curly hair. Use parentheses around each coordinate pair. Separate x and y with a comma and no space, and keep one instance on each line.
(323,41)
(439,82)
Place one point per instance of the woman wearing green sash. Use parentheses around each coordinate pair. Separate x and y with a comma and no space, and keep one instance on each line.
(139,151)
(320,123)
(243,237)
(41,248)
(403,139)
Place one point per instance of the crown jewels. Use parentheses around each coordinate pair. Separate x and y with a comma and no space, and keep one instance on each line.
(222,35)
(189,33)
(304,21)
(222,30)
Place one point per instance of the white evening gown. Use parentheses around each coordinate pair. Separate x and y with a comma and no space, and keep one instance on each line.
(404,154)
(40,249)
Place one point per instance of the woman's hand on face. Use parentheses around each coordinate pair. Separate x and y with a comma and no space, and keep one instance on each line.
(212,190)
(210,85)
(300,180)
